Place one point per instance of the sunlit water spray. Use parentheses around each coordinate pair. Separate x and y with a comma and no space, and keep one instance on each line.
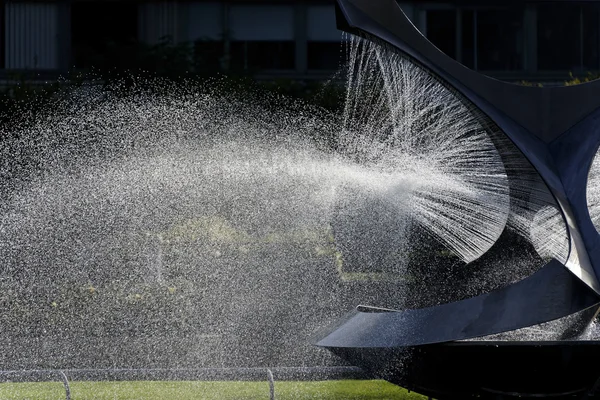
(238,203)
(400,116)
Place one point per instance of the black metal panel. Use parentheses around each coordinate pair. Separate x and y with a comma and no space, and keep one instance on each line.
(551,293)
(573,153)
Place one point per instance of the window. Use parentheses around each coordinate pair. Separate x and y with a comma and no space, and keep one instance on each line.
(468,38)
(590,37)
(261,55)
(205,30)
(493,40)
(3,37)
(326,55)
(499,40)
(558,37)
(29,35)
(208,55)
(324,50)
(441,30)
(489,39)
(262,37)
(567,37)
(99,27)
(205,21)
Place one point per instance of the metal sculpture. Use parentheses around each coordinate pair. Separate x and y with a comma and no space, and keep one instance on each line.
(558,130)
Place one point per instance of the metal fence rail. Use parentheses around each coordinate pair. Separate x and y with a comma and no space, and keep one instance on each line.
(200,374)
(205,374)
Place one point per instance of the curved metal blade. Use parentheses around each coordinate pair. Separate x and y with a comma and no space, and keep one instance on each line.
(551,293)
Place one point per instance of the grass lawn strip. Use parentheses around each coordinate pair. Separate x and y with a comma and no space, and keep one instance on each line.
(207,390)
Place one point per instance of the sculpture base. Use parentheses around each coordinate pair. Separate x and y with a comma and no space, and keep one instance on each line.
(487,369)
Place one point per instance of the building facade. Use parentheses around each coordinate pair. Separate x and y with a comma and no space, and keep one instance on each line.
(515,40)
(298,39)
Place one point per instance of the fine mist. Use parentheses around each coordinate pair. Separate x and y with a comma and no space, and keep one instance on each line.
(177,227)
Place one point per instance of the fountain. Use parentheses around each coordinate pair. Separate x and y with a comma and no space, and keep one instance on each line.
(181,227)
(519,338)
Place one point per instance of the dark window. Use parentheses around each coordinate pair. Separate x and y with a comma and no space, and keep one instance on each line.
(567,37)
(325,55)
(499,40)
(441,30)
(590,32)
(468,38)
(2,36)
(558,37)
(99,28)
(493,39)
(255,55)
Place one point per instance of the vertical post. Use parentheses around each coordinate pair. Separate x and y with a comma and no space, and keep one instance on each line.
(66,383)
(271,384)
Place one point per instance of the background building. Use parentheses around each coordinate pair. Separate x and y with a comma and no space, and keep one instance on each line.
(293,38)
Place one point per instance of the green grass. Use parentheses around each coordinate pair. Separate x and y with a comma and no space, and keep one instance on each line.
(186,390)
